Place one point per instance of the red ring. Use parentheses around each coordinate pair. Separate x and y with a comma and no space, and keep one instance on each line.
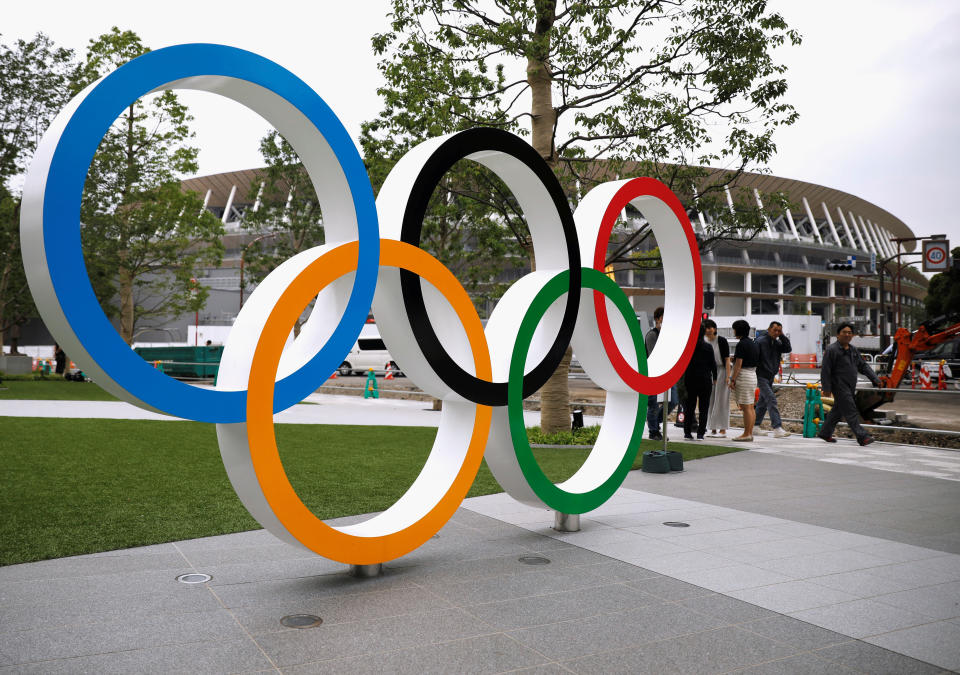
(642,187)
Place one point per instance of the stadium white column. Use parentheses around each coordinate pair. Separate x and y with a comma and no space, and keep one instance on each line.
(756,194)
(206,200)
(793,227)
(851,242)
(748,289)
(259,199)
(853,222)
(733,211)
(833,228)
(813,221)
(885,236)
(881,237)
(780,293)
(874,245)
(809,293)
(226,210)
(832,292)
(875,231)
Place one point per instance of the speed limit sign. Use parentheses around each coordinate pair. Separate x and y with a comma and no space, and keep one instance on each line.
(936,255)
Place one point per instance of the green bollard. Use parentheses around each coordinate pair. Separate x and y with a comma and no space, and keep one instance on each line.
(370,389)
(812,412)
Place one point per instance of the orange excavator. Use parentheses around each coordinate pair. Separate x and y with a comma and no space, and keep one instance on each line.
(907,344)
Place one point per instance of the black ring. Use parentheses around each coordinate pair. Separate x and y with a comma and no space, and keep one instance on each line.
(451,151)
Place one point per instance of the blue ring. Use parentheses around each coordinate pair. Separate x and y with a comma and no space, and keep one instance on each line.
(61,227)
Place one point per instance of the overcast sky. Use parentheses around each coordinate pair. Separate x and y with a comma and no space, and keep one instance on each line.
(875,82)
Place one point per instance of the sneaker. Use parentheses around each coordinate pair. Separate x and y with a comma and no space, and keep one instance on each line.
(780,432)
(656,437)
(743,439)
(866,440)
(828,439)
(699,437)
(688,437)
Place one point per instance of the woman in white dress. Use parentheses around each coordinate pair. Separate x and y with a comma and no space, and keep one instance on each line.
(719,417)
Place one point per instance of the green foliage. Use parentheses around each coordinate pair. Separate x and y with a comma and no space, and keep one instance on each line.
(943,294)
(286,218)
(582,436)
(34,86)
(143,238)
(652,88)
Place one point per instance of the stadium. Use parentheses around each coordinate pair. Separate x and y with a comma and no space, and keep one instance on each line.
(793,267)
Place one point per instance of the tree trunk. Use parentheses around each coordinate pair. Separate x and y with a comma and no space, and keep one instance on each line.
(126,305)
(555,398)
(555,395)
(14,339)
(4,280)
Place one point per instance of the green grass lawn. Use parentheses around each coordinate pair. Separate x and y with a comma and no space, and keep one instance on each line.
(53,388)
(81,486)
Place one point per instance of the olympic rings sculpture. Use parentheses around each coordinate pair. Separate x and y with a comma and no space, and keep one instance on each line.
(372,259)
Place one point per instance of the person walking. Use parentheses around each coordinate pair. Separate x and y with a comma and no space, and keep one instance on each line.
(772,345)
(841,364)
(654,407)
(743,379)
(61,359)
(719,418)
(698,380)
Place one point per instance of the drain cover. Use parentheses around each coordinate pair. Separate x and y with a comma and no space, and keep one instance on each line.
(194,578)
(673,523)
(301,621)
(534,560)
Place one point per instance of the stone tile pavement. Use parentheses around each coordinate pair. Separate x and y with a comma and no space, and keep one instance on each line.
(790,564)
(917,460)
(734,592)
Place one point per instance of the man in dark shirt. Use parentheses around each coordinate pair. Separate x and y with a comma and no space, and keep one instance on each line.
(654,411)
(841,364)
(772,345)
(654,408)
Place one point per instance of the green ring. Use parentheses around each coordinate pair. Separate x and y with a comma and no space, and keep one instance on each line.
(555,498)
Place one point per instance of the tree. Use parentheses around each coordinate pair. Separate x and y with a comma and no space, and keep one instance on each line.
(653,88)
(34,86)
(143,237)
(943,293)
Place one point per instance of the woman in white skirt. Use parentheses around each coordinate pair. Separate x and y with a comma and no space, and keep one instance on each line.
(719,418)
(743,380)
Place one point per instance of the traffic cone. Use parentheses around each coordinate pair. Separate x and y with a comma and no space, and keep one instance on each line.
(334,376)
(389,375)
(941,376)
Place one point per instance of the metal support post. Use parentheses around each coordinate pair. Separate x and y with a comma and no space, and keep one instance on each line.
(566,522)
(366,571)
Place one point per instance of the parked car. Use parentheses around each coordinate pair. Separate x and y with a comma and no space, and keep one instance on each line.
(368,352)
(945,351)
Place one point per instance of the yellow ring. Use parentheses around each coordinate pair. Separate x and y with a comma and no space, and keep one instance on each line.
(277,490)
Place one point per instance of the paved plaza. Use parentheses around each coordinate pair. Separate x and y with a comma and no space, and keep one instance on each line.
(796,557)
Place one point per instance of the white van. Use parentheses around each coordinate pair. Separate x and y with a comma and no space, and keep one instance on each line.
(368,352)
